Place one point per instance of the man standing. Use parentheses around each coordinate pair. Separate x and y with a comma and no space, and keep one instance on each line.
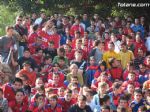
(7,43)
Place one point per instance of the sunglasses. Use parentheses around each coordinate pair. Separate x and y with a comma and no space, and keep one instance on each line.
(19,20)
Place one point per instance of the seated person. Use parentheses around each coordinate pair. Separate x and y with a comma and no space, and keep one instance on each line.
(53,105)
(38,104)
(18,104)
(131,79)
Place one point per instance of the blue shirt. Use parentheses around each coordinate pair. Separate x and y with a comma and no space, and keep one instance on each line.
(135,105)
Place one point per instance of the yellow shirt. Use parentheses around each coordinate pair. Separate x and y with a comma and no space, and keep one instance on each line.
(110,54)
(126,57)
(80,78)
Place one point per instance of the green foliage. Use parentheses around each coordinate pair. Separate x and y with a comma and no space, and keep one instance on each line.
(7,17)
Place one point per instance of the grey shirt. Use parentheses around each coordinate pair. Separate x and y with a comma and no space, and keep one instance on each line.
(98,55)
(4,105)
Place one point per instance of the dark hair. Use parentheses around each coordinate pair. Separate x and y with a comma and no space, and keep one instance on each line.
(38,49)
(9,27)
(90,92)
(111,61)
(121,109)
(103,63)
(104,99)
(123,98)
(47,57)
(68,91)
(35,27)
(82,98)
(61,49)
(38,95)
(97,42)
(116,85)
(61,58)
(54,96)
(105,107)
(139,91)
(26,49)
(19,91)
(17,80)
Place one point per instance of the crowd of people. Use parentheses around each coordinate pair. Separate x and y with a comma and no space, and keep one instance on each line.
(82,63)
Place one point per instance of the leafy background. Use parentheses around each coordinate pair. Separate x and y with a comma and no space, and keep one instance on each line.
(9,9)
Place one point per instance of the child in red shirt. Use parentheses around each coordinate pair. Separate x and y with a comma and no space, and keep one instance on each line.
(67,101)
(53,105)
(38,105)
(9,90)
(18,105)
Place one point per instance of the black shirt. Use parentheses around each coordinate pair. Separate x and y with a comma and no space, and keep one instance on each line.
(76,108)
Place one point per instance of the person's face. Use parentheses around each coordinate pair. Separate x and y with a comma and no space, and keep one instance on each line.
(56,67)
(60,53)
(10,32)
(102,67)
(65,20)
(78,45)
(81,104)
(74,80)
(61,62)
(140,53)
(19,21)
(113,38)
(77,35)
(118,91)
(136,21)
(106,36)
(77,21)
(43,15)
(74,69)
(85,34)
(105,110)
(130,88)
(40,53)
(19,96)
(26,67)
(39,82)
(148,61)
(131,77)
(66,47)
(92,61)
(78,56)
(137,38)
(103,89)
(56,78)
(128,25)
(129,41)
(68,97)
(137,97)
(142,69)
(103,78)
(85,17)
(61,92)
(52,101)
(123,47)
(17,85)
(40,99)
(27,54)
(88,96)
(123,103)
(111,47)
